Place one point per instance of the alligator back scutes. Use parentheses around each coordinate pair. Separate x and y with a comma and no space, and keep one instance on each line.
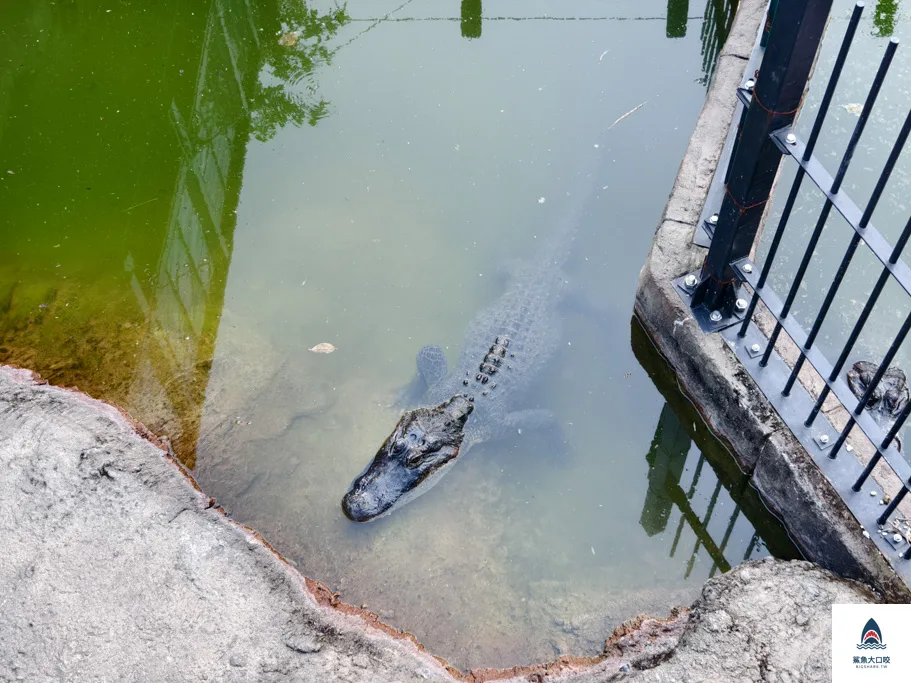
(493,361)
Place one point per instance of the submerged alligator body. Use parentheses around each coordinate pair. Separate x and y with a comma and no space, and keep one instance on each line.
(504,348)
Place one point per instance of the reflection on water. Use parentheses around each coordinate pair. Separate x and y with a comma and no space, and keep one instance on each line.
(175,237)
(677,15)
(884,17)
(471,18)
(713,518)
(115,256)
(719,16)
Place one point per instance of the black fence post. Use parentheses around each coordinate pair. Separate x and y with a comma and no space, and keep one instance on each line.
(795,36)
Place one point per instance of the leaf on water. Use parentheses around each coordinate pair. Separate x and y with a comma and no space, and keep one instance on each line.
(289,40)
(854,108)
(324,347)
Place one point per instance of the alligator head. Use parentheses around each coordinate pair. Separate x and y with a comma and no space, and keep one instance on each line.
(890,395)
(412,458)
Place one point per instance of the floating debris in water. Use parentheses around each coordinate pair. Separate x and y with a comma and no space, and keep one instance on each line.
(629,113)
(541,200)
(854,108)
(324,347)
(289,39)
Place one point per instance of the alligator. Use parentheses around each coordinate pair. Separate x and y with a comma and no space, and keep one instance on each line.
(888,399)
(504,348)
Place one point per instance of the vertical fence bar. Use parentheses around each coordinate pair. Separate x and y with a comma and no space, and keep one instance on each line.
(827,206)
(890,508)
(896,427)
(811,144)
(877,376)
(855,238)
(862,319)
(796,32)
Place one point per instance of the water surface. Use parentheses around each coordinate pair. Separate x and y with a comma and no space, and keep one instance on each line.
(194,194)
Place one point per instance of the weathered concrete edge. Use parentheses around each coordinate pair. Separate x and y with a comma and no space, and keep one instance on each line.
(733,406)
(635,641)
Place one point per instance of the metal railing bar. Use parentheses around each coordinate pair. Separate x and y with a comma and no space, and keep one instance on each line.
(849,211)
(851,250)
(840,472)
(846,43)
(868,469)
(838,386)
(773,248)
(808,151)
(890,508)
(864,114)
(849,344)
(886,442)
(864,315)
(877,376)
(833,190)
(902,239)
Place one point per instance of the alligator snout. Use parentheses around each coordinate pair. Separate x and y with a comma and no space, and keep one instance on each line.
(361,505)
(417,452)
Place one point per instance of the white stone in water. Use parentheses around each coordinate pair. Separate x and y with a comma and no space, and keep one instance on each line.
(873,493)
(897,538)
(866,533)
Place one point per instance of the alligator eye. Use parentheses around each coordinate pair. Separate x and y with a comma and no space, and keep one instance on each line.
(415,460)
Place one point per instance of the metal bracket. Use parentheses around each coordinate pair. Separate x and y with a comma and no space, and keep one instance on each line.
(709,321)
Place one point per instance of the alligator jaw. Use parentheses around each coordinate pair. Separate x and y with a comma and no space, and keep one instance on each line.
(417,452)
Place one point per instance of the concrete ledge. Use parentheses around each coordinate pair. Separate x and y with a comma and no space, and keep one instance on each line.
(710,373)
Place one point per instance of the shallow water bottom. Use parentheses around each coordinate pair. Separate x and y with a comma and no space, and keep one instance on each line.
(512,559)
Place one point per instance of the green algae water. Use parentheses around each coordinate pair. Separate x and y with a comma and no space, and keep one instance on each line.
(195,194)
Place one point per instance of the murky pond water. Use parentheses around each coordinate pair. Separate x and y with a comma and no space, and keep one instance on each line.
(193,194)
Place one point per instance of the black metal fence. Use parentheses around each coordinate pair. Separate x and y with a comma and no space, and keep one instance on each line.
(724,294)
